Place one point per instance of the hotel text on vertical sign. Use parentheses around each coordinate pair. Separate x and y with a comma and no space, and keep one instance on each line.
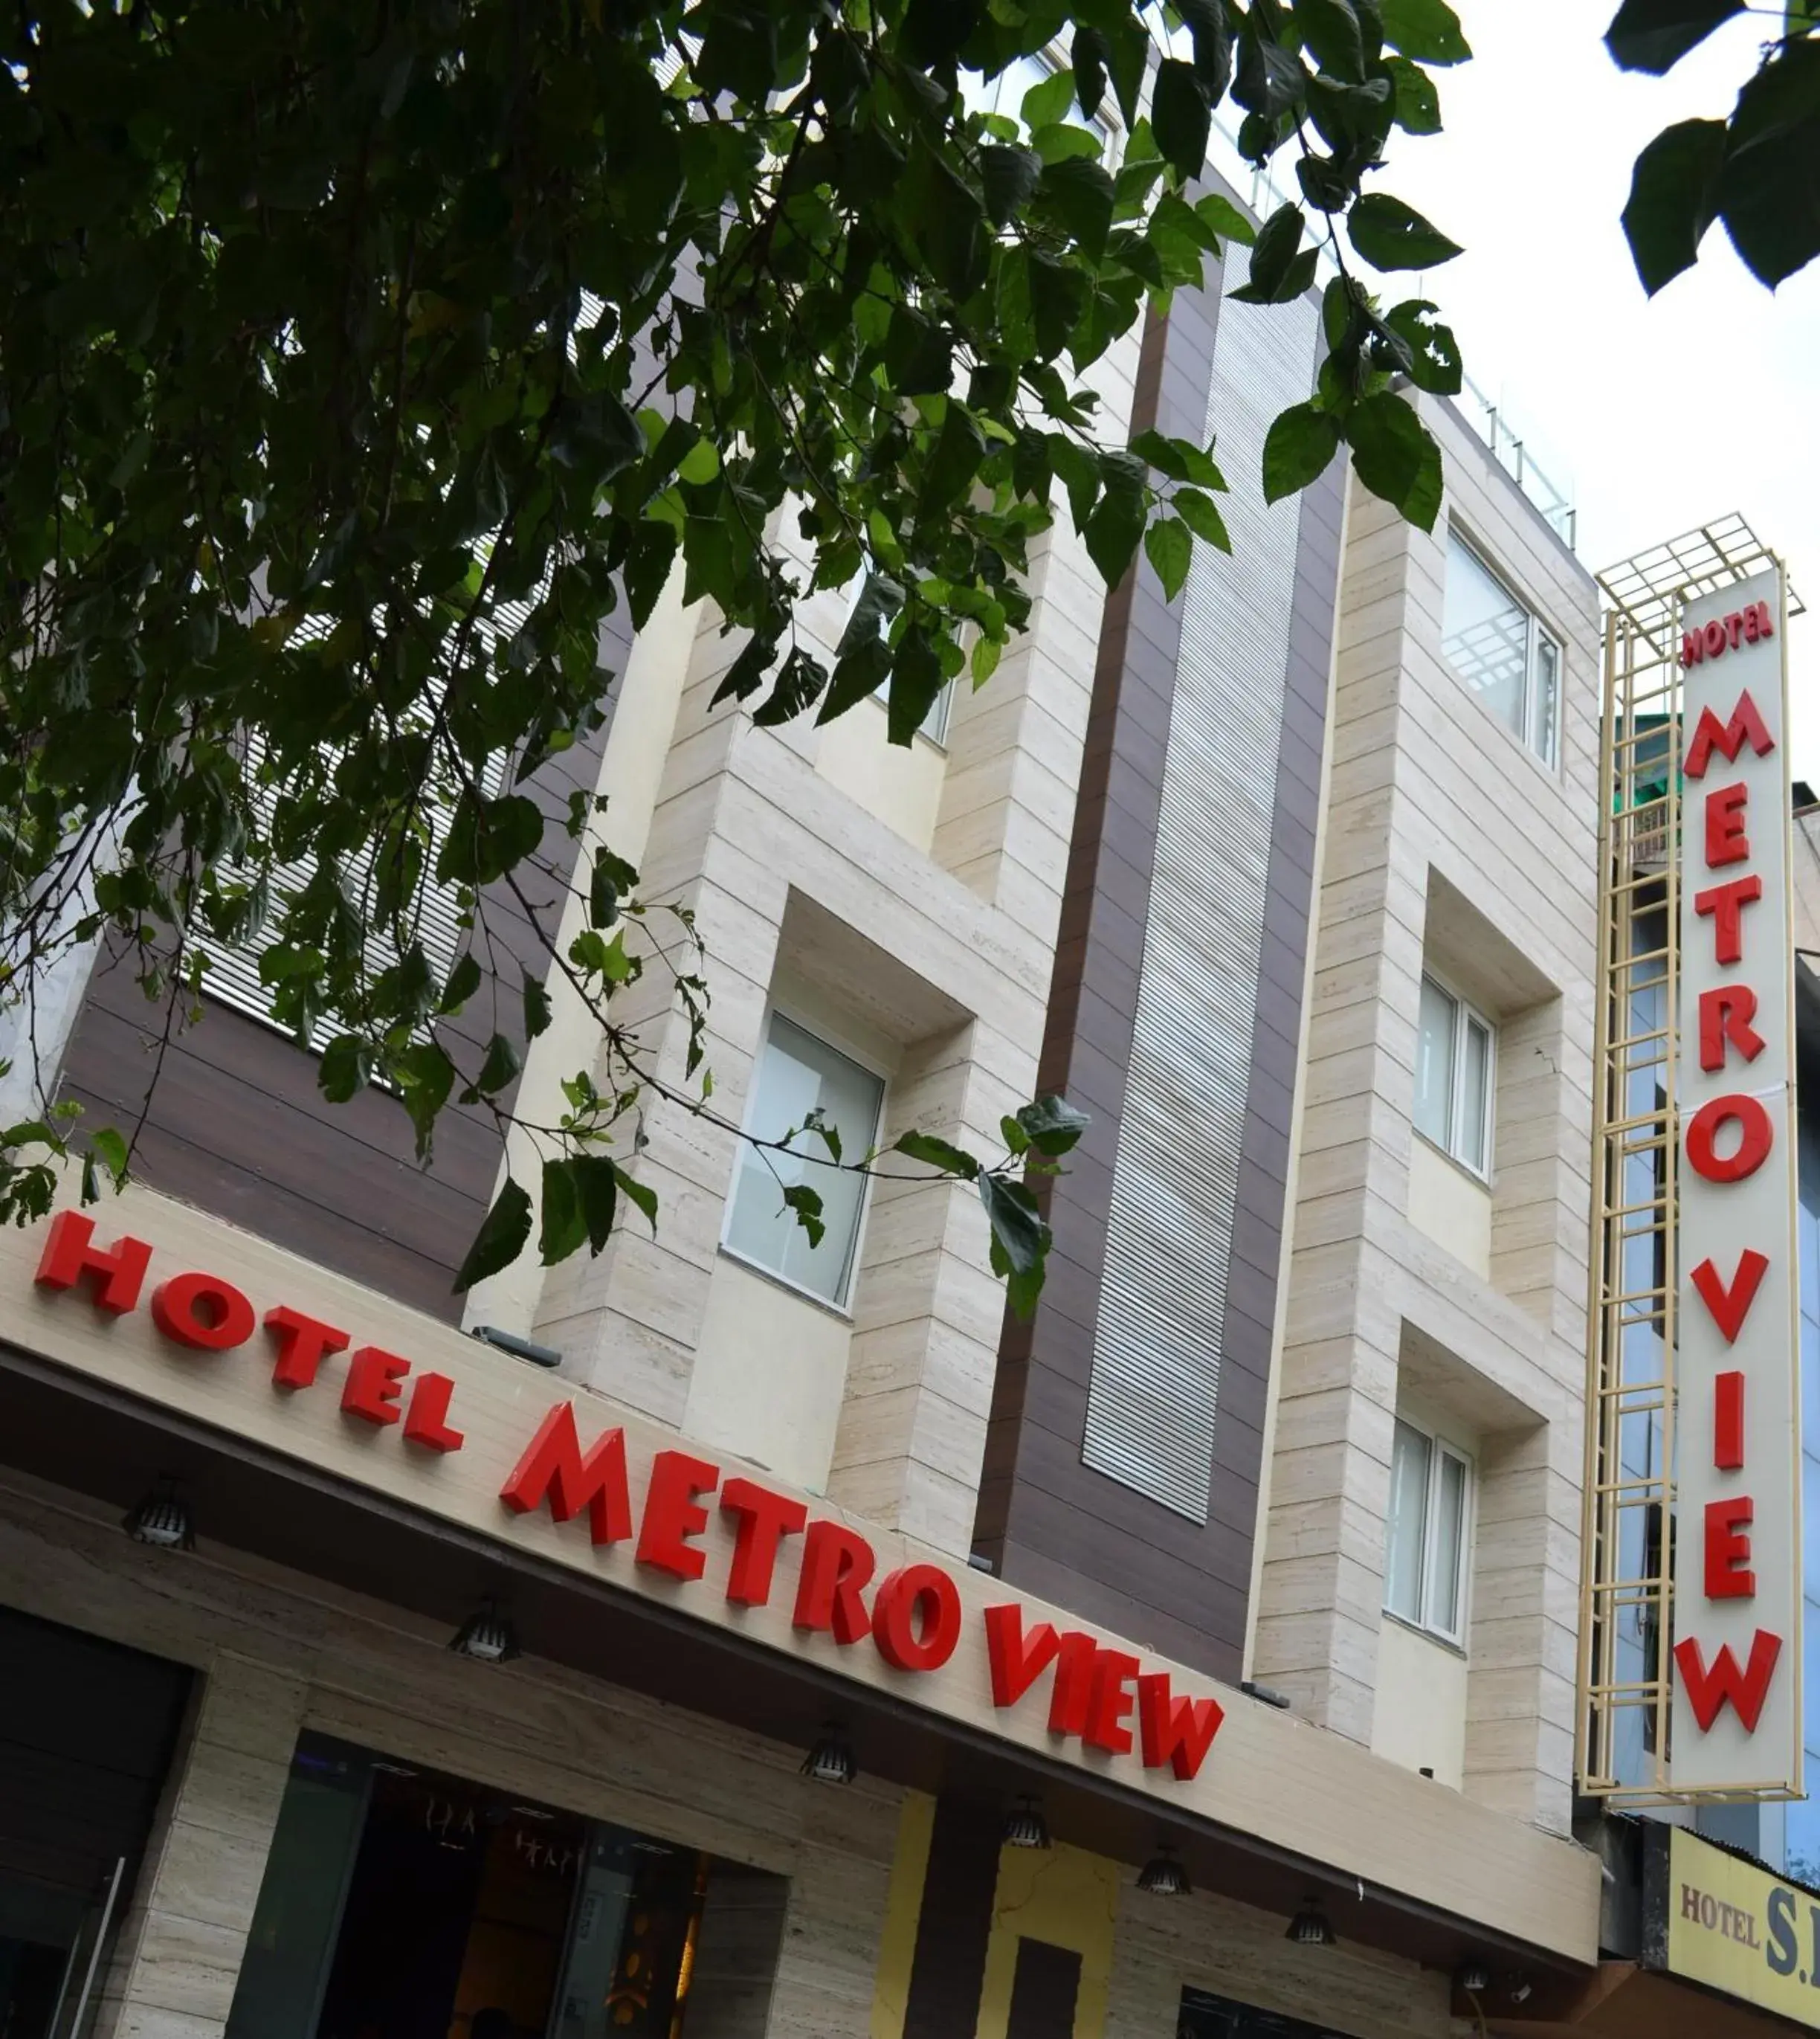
(1736,1719)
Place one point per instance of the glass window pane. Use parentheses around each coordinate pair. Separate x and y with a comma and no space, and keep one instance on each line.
(1435,1065)
(1475,1085)
(1408,1528)
(797,1073)
(1485,635)
(1448,1565)
(1548,697)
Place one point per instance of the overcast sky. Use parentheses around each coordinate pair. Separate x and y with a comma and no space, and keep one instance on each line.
(1661,416)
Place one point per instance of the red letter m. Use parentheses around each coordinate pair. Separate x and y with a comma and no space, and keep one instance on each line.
(554,1467)
(1708,1690)
(1728,740)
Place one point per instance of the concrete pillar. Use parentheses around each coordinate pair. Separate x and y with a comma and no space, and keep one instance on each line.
(178,1955)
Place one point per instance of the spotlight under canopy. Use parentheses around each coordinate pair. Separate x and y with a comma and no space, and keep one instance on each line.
(831,1759)
(487,1637)
(1311,1926)
(1163,1875)
(163,1520)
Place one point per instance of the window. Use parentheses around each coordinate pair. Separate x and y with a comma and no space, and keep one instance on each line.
(1425,1539)
(1454,1080)
(798,1074)
(1501,651)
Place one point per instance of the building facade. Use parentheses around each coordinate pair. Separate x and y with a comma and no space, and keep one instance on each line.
(836,1656)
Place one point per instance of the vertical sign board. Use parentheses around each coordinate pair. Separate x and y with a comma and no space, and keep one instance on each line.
(1736,1719)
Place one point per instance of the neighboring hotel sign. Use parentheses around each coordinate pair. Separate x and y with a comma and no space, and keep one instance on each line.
(1730,1925)
(1736,1721)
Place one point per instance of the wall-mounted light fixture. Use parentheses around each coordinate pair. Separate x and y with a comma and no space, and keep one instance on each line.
(486,1636)
(831,1759)
(1026,1827)
(1163,1875)
(1311,1927)
(163,1520)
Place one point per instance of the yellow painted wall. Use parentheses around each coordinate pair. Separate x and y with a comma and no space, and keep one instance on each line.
(901,786)
(1453,1209)
(1064,1896)
(898,1945)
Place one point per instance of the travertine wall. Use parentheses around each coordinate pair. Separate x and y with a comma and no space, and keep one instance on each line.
(1444,832)
(1211,1943)
(277,1656)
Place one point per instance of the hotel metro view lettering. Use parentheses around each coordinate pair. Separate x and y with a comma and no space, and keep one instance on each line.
(1736,1719)
(694,1522)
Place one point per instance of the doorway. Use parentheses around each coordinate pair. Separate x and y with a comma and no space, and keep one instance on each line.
(87,1729)
(403,1903)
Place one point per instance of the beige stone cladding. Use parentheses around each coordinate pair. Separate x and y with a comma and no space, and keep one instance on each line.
(904,907)
(1415,1286)
(1229,1949)
(277,1654)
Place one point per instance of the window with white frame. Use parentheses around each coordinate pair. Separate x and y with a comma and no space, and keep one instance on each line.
(1456,1055)
(1501,651)
(1427,1536)
(798,1074)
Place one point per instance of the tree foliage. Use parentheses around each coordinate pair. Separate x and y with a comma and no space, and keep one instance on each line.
(1758,170)
(359,359)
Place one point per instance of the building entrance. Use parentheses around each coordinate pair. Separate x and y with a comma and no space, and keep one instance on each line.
(86,1733)
(402,1902)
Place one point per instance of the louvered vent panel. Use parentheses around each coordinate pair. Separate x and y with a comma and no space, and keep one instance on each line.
(1155,1380)
(232,973)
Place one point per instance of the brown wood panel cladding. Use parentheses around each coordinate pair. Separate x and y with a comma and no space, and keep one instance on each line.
(948,1969)
(1044,1985)
(1047,1521)
(235,1124)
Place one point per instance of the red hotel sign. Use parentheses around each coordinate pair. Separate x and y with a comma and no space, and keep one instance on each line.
(1736,1702)
(1099,1696)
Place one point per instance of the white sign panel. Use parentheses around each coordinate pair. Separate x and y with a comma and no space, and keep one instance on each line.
(1736,1721)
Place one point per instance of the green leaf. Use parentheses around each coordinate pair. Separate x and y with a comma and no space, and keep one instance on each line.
(597,1186)
(1182,115)
(1273,256)
(1201,514)
(563,1227)
(1093,59)
(1428,30)
(1768,192)
(464,981)
(1017,1140)
(110,1150)
(1330,34)
(942,1154)
(500,1238)
(1674,199)
(1008,177)
(1297,450)
(1225,219)
(1417,102)
(1391,235)
(642,1194)
(699,464)
(342,1070)
(1020,1239)
(1048,102)
(498,1067)
(1656,35)
(1395,457)
(1052,1125)
(1170,549)
(1113,532)
(1433,354)
(806,1204)
(536,1001)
